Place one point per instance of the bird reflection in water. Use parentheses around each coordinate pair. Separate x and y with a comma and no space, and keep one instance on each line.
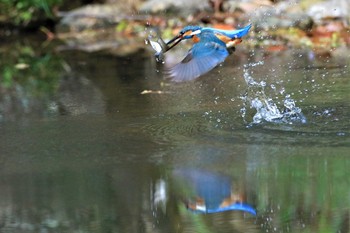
(213,192)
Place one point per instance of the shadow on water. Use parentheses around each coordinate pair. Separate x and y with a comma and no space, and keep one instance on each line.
(83,150)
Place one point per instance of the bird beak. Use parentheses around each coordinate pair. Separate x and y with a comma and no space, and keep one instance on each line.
(173,42)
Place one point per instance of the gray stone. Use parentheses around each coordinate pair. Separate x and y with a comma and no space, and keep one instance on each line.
(183,7)
(90,17)
(330,9)
(78,95)
(280,16)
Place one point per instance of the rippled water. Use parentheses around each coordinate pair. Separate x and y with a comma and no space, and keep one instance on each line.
(105,158)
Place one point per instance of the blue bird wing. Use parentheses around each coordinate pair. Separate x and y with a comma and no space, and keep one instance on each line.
(200,59)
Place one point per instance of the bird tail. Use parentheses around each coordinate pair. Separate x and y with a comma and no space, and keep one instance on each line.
(236,33)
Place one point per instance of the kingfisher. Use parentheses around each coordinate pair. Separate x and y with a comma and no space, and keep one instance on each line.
(211,47)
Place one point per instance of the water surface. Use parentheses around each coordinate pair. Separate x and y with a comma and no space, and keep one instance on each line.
(93,154)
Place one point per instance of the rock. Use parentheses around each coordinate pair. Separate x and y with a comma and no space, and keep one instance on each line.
(245,6)
(183,7)
(91,17)
(280,15)
(332,9)
(78,95)
(100,27)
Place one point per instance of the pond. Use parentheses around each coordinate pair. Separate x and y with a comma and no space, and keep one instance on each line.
(96,143)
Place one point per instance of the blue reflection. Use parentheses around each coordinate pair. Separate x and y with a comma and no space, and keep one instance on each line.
(213,192)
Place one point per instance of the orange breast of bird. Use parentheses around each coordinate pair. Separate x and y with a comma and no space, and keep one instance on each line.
(195,39)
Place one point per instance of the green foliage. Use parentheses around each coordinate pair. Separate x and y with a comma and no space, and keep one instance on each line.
(21,12)
(36,73)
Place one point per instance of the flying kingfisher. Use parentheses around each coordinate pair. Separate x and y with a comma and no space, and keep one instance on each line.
(211,47)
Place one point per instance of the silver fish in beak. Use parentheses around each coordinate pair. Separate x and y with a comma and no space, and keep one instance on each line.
(159,45)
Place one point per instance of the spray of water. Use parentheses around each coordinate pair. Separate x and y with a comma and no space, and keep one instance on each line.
(266,109)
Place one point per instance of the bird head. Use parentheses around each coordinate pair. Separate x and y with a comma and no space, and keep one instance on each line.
(189,31)
(186,33)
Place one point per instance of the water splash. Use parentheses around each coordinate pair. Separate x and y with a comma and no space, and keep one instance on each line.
(266,108)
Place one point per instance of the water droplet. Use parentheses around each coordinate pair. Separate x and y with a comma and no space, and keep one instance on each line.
(266,108)
(282,91)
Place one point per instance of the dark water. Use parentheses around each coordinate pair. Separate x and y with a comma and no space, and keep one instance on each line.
(87,152)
